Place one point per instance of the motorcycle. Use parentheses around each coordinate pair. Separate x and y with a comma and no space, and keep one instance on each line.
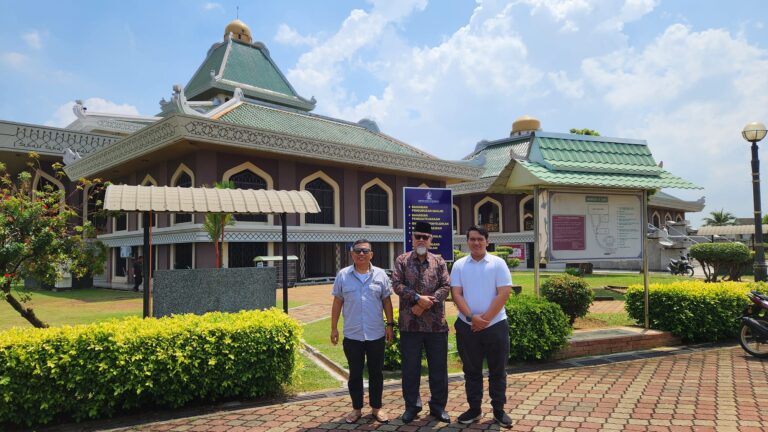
(753,336)
(680,267)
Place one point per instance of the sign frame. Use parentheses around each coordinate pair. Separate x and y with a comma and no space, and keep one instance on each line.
(551,253)
(443,230)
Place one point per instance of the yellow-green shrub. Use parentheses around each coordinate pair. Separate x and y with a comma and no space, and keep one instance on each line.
(692,310)
(96,370)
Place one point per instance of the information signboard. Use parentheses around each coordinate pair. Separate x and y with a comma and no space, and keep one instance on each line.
(433,205)
(594,226)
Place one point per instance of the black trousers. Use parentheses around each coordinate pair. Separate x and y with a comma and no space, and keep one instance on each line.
(356,353)
(436,347)
(491,344)
(136,282)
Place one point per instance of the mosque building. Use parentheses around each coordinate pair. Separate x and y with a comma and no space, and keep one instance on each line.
(239,119)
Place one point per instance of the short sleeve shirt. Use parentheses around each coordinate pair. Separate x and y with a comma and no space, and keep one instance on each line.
(363,308)
(479,280)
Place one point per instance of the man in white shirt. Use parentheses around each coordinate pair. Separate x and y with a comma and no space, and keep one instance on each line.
(480,284)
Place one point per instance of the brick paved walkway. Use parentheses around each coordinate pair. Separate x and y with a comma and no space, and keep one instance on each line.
(717,389)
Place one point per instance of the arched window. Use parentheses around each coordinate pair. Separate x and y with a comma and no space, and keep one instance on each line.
(667,217)
(679,218)
(323,193)
(488,214)
(376,204)
(326,192)
(182,178)
(247,179)
(526,213)
(656,220)
(44,182)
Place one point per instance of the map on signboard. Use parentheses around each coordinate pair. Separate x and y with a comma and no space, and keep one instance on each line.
(592,227)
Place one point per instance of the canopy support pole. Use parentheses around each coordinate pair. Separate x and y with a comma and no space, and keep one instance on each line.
(284,221)
(643,237)
(146,264)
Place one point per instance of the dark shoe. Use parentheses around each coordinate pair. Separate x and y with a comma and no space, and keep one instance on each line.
(409,415)
(470,416)
(440,415)
(502,418)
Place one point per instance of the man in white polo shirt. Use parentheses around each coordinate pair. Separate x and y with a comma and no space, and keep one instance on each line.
(480,284)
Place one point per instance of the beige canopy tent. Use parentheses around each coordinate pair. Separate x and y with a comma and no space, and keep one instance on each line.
(164,199)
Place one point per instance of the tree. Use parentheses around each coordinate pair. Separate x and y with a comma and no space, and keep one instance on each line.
(585,132)
(765,219)
(39,239)
(215,222)
(719,218)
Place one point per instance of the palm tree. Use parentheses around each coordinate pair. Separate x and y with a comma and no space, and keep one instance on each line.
(718,218)
(215,222)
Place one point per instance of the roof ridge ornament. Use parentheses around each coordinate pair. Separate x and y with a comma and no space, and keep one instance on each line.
(179,101)
(79,109)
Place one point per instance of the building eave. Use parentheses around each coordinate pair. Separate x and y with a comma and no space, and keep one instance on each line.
(50,141)
(179,127)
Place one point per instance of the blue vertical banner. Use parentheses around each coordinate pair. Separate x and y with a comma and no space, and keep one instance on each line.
(433,205)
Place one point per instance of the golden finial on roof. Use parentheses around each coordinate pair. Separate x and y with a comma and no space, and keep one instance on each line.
(525,124)
(239,31)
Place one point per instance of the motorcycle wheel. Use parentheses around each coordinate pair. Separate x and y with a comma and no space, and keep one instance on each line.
(689,271)
(751,345)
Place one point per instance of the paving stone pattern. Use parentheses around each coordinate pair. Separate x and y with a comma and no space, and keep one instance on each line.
(719,389)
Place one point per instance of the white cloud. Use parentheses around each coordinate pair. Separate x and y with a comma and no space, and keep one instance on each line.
(632,10)
(562,11)
(289,36)
(33,39)
(672,64)
(13,59)
(64,115)
(209,6)
(566,86)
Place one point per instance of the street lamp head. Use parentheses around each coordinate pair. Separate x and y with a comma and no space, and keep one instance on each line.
(754,132)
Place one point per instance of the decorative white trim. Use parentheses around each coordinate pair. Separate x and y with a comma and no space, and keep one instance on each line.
(174,178)
(248,166)
(679,218)
(667,217)
(390,200)
(493,201)
(336,197)
(522,215)
(40,173)
(457,219)
(424,185)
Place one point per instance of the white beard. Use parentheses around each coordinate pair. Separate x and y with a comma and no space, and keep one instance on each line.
(421,250)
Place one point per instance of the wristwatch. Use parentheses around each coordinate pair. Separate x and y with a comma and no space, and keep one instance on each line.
(417,297)
(390,323)
(469,317)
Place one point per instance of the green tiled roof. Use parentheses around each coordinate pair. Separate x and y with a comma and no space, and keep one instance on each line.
(248,65)
(498,155)
(567,153)
(202,79)
(245,66)
(315,128)
(612,180)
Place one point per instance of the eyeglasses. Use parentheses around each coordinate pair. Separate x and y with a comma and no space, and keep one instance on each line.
(361,251)
(422,236)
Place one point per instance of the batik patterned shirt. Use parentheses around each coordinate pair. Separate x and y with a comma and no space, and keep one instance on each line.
(412,278)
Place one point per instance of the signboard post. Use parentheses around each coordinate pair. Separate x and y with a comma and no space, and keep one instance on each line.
(433,205)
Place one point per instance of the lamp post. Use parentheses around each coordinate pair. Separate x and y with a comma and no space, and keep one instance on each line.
(754,132)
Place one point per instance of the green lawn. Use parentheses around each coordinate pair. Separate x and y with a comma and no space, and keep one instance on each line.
(82,306)
(525,279)
(311,377)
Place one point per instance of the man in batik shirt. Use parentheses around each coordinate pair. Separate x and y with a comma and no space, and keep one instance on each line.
(422,281)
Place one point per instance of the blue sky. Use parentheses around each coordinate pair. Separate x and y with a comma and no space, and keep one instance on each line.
(440,75)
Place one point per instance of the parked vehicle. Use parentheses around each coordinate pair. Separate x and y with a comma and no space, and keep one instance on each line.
(681,266)
(753,336)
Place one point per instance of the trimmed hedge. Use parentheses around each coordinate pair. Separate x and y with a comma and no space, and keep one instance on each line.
(96,370)
(717,258)
(572,293)
(537,328)
(693,310)
(392,350)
